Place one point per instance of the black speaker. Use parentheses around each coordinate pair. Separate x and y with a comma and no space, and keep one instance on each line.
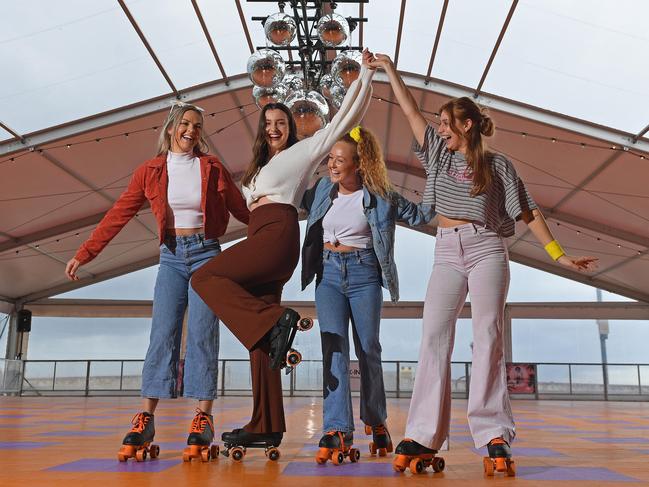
(24,321)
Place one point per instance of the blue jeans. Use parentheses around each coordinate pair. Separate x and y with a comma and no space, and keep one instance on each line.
(180,257)
(350,288)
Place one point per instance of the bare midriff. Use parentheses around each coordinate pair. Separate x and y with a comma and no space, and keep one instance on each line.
(183,232)
(264,200)
(340,247)
(445,222)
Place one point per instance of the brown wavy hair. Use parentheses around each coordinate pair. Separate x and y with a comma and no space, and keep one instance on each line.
(172,121)
(463,109)
(371,165)
(261,149)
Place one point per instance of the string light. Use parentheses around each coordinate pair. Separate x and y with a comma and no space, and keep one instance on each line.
(68,145)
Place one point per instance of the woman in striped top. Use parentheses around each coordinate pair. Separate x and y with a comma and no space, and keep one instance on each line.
(478,197)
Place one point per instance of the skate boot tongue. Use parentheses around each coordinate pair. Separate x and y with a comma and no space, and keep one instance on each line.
(201,431)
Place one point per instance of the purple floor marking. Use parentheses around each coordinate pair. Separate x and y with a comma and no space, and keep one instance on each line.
(360,469)
(462,438)
(531,420)
(24,445)
(571,473)
(548,427)
(609,421)
(646,452)
(525,452)
(104,465)
(14,416)
(58,421)
(611,439)
(74,433)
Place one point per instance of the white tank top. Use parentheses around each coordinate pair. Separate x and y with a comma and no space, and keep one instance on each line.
(184,191)
(346,223)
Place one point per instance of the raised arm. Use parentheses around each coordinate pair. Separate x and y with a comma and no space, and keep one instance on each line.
(404,97)
(351,111)
(411,213)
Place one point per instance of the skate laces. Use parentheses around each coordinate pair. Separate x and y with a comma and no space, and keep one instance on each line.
(498,441)
(380,429)
(198,423)
(139,422)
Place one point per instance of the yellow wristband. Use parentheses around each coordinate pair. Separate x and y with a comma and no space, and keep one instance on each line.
(554,250)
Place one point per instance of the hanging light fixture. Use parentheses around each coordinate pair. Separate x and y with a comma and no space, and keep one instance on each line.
(280,29)
(310,111)
(266,68)
(333,30)
(317,34)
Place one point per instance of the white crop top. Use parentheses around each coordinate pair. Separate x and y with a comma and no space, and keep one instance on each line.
(184,191)
(285,177)
(346,223)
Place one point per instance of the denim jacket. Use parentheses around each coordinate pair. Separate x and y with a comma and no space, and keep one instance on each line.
(382,215)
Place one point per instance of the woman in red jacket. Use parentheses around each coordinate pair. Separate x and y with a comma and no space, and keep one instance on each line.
(191,195)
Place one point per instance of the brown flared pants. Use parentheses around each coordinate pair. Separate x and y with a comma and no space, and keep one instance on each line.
(243,287)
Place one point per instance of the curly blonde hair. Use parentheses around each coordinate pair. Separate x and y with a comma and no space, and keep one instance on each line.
(371,165)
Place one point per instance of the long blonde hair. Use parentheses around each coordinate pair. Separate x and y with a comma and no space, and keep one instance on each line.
(172,121)
(477,156)
(371,166)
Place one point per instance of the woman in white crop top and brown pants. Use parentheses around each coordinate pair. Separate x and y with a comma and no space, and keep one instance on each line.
(243,285)
(191,196)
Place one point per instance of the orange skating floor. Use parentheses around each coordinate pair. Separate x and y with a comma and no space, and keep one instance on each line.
(74,441)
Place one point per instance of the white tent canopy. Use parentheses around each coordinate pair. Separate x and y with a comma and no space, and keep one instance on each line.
(90,83)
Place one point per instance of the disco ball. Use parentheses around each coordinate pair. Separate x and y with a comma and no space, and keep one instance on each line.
(333,30)
(337,95)
(275,94)
(326,82)
(310,111)
(266,68)
(346,67)
(293,82)
(280,29)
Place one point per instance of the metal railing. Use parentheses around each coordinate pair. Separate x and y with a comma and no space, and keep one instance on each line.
(123,377)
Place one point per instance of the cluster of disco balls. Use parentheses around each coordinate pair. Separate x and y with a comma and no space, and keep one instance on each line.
(267,70)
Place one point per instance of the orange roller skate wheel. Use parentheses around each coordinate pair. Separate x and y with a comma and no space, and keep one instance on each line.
(417,465)
(400,463)
(488,466)
(511,468)
(140,455)
(337,457)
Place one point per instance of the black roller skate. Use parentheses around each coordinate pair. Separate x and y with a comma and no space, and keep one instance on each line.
(381,442)
(237,441)
(199,441)
(335,446)
(499,459)
(137,442)
(416,457)
(281,338)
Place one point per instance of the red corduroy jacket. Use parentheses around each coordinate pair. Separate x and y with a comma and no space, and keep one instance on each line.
(219,198)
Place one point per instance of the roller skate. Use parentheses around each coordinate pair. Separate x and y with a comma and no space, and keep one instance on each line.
(237,441)
(199,441)
(281,340)
(416,457)
(381,442)
(335,446)
(137,442)
(499,459)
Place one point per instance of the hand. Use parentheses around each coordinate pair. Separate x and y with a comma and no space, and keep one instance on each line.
(368,57)
(581,264)
(71,269)
(382,61)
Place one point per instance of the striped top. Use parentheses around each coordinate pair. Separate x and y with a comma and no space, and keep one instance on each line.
(449,184)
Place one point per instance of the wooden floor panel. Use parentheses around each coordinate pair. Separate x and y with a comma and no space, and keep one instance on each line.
(74,441)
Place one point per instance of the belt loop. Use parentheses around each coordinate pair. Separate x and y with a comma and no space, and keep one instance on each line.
(201,239)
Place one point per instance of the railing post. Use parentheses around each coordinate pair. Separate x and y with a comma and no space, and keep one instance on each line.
(87,376)
(398,379)
(639,380)
(222,378)
(467,374)
(121,375)
(22,376)
(54,374)
(570,378)
(605,379)
(291,382)
(536,381)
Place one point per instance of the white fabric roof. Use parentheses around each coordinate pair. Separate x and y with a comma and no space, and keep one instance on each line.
(81,71)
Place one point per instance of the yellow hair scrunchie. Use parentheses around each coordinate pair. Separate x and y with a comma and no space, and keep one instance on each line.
(355,133)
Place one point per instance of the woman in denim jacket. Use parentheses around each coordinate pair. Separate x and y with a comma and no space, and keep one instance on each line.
(349,246)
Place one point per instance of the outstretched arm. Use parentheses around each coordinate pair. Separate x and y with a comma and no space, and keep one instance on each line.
(404,97)
(538,226)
